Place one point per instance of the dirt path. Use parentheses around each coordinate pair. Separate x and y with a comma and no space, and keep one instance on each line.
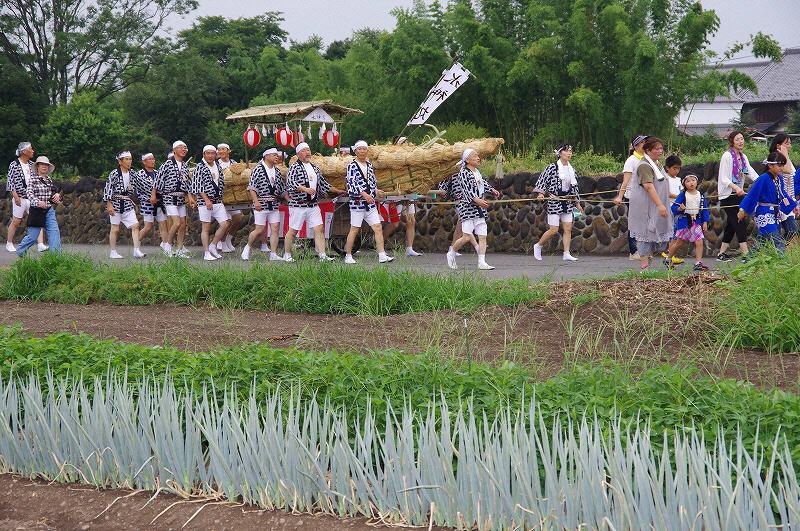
(641,322)
(36,505)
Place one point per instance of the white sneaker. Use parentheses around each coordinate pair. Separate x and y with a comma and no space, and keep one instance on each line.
(114,255)
(411,252)
(274,258)
(349,259)
(450,249)
(537,251)
(451,260)
(634,257)
(208,256)
(10,247)
(326,258)
(288,258)
(220,245)
(485,266)
(213,250)
(167,249)
(384,258)
(264,248)
(137,253)
(42,247)
(569,258)
(246,253)
(183,253)
(228,248)
(162,244)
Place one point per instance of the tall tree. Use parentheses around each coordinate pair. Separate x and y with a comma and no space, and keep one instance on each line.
(22,109)
(101,45)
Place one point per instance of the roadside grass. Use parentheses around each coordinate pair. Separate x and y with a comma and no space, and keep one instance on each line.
(301,287)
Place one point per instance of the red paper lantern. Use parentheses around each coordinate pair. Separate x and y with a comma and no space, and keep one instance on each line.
(331,138)
(252,137)
(284,137)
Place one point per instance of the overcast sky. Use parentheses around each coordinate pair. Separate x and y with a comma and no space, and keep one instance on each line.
(337,20)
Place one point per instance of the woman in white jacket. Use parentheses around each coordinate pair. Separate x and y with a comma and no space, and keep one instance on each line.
(734,169)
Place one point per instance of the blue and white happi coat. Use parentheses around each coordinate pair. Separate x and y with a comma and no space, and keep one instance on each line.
(172,181)
(297,176)
(471,184)
(16,177)
(549,183)
(357,182)
(765,201)
(267,191)
(203,183)
(121,196)
(450,188)
(143,184)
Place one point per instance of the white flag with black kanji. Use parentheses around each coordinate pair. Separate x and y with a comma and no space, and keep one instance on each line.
(451,79)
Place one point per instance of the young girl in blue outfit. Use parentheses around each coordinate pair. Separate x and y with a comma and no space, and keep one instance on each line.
(691,222)
(766,200)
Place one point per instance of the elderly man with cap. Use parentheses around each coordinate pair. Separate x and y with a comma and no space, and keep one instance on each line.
(305,184)
(362,188)
(172,181)
(226,244)
(42,195)
(150,205)
(266,186)
(471,208)
(208,184)
(118,196)
(19,173)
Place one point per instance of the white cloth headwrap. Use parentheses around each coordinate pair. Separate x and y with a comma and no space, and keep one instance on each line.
(123,154)
(178,143)
(209,147)
(301,146)
(148,156)
(223,145)
(22,147)
(465,155)
(270,151)
(360,144)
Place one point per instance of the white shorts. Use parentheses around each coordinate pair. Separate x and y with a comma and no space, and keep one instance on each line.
(266,216)
(475,226)
(234,213)
(160,216)
(126,218)
(554,220)
(371,216)
(22,209)
(310,215)
(217,212)
(410,209)
(176,211)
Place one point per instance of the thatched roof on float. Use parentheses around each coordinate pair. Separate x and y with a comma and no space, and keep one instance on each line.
(291,111)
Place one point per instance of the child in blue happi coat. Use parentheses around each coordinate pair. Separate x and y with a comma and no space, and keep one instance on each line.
(766,200)
(691,222)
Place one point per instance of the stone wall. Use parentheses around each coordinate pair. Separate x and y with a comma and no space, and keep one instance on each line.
(513,227)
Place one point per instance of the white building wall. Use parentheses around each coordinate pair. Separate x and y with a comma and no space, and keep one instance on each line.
(709,113)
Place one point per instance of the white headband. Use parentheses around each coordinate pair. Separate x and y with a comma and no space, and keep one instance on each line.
(223,145)
(301,146)
(148,156)
(209,147)
(270,151)
(466,154)
(360,144)
(22,147)
(178,143)
(123,154)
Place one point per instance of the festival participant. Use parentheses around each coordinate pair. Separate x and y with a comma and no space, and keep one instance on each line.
(690,210)
(734,170)
(41,194)
(362,187)
(449,190)
(471,208)
(767,200)
(305,184)
(635,154)
(783,145)
(226,244)
(649,219)
(266,186)
(143,185)
(118,196)
(406,210)
(172,181)
(672,167)
(559,182)
(208,185)
(19,173)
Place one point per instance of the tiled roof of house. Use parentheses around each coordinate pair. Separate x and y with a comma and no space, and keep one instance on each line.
(776,81)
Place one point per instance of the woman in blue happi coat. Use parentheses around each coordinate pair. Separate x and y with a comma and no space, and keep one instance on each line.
(766,200)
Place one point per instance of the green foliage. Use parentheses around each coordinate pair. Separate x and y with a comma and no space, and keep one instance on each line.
(460,131)
(85,133)
(303,287)
(584,162)
(22,108)
(761,307)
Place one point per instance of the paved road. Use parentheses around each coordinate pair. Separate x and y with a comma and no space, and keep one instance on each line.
(508,265)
